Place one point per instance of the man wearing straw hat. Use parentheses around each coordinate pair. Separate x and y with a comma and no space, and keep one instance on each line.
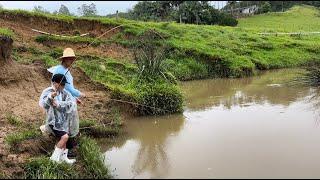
(67,60)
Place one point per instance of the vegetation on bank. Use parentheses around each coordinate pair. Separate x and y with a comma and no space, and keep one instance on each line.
(157,96)
(15,138)
(90,161)
(91,165)
(6,32)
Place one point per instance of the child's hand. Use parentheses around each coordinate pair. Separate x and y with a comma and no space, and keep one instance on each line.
(53,94)
(54,103)
(78,101)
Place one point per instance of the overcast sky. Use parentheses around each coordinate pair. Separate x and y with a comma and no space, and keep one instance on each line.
(103,7)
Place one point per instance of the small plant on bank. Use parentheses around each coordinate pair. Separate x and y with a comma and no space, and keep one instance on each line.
(93,159)
(6,33)
(15,138)
(13,120)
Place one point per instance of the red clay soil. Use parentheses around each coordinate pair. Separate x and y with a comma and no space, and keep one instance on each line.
(24,36)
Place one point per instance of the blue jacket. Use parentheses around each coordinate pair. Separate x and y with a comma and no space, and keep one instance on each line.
(59,69)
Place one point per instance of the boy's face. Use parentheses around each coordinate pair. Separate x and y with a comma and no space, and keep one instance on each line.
(57,87)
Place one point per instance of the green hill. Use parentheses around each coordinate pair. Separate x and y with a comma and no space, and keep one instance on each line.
(298,18)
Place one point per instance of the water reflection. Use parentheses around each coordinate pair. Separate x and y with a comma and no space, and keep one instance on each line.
(153,133)
(269,87)
(151,136)
(267,131)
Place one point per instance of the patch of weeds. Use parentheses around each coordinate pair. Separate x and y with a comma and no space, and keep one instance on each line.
(49,61)
(6,33)
(15,138)
(13,120)
(86,123)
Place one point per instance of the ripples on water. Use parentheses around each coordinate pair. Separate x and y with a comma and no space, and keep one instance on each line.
(257,127)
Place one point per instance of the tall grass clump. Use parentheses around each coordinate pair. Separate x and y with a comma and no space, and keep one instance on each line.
(44,168)
(93,160)
(149,55)
(157,92)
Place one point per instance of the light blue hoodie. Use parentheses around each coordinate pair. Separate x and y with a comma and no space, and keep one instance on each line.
(60,69)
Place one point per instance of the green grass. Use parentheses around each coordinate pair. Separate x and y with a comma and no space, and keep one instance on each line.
(6,32)
(68,19)
(15,138)
(93,159)
(223,51)
(84,123)
(89,165)
(299,18)
(13,120)
(43,168)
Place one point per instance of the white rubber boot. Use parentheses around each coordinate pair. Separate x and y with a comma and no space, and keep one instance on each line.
(56,155)
(64,157)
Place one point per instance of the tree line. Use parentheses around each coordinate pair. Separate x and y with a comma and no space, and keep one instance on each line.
(83,10)
(190,12)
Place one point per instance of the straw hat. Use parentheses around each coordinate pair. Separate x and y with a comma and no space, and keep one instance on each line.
(68,52)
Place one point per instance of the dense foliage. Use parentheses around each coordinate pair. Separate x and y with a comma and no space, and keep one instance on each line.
(191,12)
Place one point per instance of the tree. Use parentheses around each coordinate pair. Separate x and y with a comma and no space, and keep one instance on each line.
(266,7)
(40,9)
(64,10)
(87,10)
(1,7)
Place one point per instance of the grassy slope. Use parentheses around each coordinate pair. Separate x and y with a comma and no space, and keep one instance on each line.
(208,51)
(299,18)
(241,48)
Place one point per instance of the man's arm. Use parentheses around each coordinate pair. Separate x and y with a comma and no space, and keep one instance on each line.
(75,92)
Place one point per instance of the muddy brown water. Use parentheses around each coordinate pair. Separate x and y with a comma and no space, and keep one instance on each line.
(257,127)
